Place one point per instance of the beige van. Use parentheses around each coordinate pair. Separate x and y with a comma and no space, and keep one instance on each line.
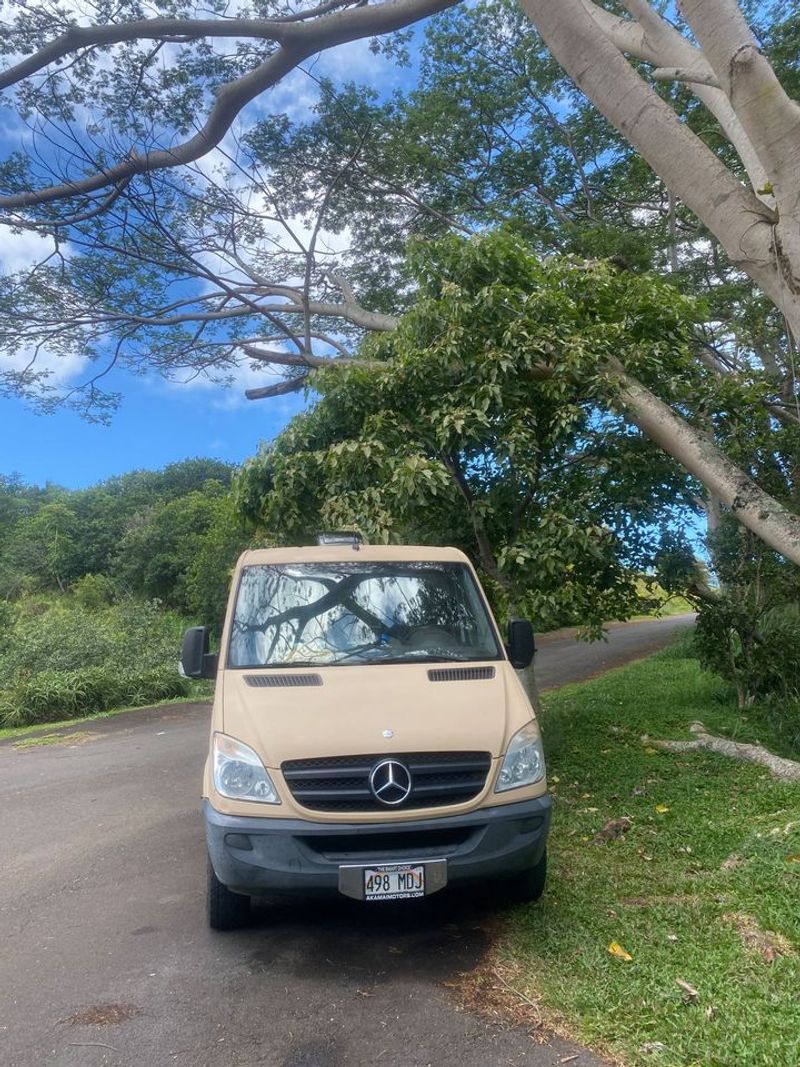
(369,734)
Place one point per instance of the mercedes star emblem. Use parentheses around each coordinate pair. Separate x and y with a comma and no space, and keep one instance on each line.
(390,782)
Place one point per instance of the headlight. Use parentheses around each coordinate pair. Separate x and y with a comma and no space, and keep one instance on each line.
(239,774)
(524,762)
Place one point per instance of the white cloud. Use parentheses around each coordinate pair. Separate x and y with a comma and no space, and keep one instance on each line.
(355,61)
(20,251)
(63,370)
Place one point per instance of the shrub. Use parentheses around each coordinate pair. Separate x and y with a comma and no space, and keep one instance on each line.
(759,656)
(65,637)
(93,592)
(53,695)
(56,639)
(60,660)
(8,619)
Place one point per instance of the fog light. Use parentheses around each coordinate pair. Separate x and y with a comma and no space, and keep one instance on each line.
(240,841)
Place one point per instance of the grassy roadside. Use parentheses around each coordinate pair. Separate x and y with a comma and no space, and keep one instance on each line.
(200,693)
(704,888)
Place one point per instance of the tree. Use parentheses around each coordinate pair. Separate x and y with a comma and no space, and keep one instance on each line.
(464,440)
(725,73)
(134,526)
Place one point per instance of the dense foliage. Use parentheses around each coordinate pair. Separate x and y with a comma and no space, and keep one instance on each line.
(97,586)
(151,534)
(459,428)
(61,659)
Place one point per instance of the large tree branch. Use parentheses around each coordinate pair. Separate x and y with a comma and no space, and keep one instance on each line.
(786,770)
(769,116)
(695,452)
(653,40)
(296,42)
(289,385)
(742,224)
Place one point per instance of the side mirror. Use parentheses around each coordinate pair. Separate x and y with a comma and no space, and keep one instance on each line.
(196,661)
(521,646)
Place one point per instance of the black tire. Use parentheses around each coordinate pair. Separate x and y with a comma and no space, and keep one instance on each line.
(226,910)
(526,888)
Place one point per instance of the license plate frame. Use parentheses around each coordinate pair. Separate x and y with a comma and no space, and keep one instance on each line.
(407,879)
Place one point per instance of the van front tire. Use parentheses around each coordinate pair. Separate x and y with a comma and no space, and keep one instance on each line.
(526,888)
(226,910)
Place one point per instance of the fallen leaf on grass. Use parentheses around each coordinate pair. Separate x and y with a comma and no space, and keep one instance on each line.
(615,949)
(793,859)
(662,809)
(650,751)
(691,994)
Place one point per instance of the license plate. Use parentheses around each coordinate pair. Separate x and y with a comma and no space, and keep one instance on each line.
(394,881)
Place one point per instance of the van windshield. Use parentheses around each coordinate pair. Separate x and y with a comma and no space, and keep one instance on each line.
(322,614)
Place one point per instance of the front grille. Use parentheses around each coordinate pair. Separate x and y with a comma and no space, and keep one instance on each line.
(341,783)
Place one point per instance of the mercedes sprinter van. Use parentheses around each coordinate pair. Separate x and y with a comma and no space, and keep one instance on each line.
(369,733)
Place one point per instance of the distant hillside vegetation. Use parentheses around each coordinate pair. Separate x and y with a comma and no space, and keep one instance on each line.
(96,586)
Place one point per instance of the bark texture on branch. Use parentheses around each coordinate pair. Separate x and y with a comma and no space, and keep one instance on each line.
(589,44)
(751,505)
(785,769)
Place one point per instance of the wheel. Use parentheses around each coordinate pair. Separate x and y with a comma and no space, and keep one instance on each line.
(226,910)
(527,887)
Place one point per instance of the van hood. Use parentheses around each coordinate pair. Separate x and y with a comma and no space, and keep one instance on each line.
(372,709)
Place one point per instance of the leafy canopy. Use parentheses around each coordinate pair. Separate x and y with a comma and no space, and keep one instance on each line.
(480,421)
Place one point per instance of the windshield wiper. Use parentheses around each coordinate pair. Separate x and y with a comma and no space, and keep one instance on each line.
(287,665)
(410,657)
(356,652)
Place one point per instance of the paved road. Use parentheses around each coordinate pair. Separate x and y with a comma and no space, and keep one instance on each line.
(106,958)
(561,659)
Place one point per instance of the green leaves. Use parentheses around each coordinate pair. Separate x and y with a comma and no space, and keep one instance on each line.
(481,428)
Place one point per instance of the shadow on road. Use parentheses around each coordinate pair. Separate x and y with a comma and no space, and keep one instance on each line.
(430,940)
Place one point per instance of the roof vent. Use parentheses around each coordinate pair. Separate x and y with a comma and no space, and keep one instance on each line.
(461,674)
(281,681)
(341,537)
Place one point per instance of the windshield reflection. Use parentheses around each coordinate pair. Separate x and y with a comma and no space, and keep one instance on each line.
(346,613)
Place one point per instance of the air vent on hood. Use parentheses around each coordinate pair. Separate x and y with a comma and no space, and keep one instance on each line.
(460,674)
(281,681)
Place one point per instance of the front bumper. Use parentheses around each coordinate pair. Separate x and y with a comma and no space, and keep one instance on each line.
(263,856)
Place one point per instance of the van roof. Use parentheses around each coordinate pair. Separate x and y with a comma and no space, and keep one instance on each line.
(347,553)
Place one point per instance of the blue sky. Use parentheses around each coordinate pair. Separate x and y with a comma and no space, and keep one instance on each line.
(158,422)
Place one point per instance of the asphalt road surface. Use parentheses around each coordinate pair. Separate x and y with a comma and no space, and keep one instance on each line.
(106,958)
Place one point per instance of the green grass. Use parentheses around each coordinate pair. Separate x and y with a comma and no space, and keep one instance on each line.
(201,692)
(662,891)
